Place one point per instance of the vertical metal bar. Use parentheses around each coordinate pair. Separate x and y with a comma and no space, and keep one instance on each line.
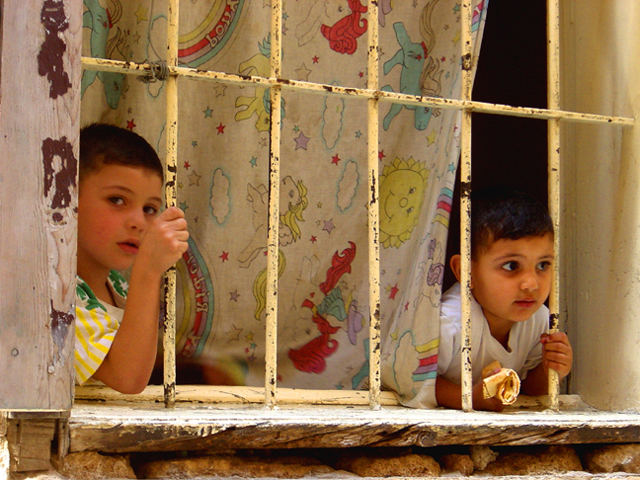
(169,326)
(553,100)
(271,334)
(465,209)
(374,247)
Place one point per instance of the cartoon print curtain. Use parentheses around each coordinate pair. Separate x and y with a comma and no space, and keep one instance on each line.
(223,180)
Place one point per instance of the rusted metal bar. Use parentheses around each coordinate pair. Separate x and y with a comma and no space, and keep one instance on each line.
(553,159)
(271,323)
(171,161)
(323,89)
(466,379)
(373,210)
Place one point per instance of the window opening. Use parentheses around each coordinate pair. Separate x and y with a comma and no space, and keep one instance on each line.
(374,96)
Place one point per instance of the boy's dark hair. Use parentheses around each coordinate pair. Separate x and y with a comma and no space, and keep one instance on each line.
(505,213)
(104,144)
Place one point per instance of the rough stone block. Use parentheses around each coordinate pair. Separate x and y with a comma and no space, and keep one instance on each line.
(481,456)
(614,458)
(536,461)
(228,466)
(372,465)
(94,466)
(454,462)
(48,475)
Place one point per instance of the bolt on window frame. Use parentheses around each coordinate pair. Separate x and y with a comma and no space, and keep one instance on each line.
(271,394)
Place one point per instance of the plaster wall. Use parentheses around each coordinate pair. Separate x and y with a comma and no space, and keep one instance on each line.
(601,66)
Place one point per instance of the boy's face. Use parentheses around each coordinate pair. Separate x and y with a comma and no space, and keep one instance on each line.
(116,204)
(512,278)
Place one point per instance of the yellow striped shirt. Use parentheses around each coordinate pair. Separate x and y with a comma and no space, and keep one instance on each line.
(96,325)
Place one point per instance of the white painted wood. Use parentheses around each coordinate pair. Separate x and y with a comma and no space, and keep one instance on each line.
(126,427)
(39,126)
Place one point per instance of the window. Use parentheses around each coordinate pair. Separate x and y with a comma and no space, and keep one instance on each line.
(272,85)
(407,416)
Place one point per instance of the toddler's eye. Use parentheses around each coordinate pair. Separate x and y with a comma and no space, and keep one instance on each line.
(150,210)
(510,266)
(544,266)
(116,200)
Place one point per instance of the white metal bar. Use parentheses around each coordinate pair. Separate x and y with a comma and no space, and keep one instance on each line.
(322,89)
(553,100)
(373,211)
(466,380)
(169,326)
(207,394)
(271,334)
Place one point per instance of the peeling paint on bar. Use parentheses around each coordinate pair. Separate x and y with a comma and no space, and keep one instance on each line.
(473,106)
(466,380)
(273,229)
(169,326)
(373,212)
(212,394)
(553,159)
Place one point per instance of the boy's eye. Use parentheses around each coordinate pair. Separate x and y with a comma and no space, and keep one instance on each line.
(116,200)
(510,266)
(544,266)
(150,210)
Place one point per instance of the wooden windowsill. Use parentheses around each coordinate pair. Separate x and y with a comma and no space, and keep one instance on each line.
(126,426)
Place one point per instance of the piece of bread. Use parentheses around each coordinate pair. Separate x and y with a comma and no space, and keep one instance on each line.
(489,369)
(504,385)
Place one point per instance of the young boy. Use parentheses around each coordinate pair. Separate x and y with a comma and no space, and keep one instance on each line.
(120,227)
(511,268)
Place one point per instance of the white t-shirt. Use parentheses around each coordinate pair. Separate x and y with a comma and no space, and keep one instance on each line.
(525,349)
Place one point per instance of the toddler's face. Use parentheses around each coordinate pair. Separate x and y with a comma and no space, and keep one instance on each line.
(116,204)
(512,279)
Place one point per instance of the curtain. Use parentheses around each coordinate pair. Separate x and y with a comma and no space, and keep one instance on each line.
(223,180)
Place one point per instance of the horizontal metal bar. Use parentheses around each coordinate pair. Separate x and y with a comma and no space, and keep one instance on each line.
(232,394)
(433,102)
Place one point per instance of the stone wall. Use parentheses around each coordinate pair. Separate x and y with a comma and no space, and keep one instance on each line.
(365,462)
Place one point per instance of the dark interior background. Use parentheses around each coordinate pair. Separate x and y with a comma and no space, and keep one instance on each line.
(511,70)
